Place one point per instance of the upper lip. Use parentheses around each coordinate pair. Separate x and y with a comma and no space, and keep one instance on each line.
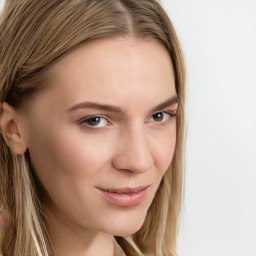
(127,190)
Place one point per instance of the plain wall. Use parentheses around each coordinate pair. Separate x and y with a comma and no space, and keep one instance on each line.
(219,42)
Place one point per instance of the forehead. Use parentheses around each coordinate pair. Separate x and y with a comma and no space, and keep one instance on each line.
(113,70)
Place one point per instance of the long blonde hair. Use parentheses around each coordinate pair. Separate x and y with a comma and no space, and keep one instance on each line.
(34,34)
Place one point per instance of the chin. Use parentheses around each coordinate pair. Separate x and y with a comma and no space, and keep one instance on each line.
(126,227)
(126,232)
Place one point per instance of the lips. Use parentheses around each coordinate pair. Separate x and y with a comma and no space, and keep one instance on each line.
(125,197)
(126,190)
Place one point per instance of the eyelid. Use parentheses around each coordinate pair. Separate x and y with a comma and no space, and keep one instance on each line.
(91,116)
(171,115)
(170,112)
(82,122)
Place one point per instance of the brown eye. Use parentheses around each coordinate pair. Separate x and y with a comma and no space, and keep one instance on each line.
(161,117)
(158,117)
(95,122)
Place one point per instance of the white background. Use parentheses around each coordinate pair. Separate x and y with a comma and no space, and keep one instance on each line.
(1,4)
(219,41)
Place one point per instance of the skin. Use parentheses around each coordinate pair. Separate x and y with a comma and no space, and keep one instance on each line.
(74,156)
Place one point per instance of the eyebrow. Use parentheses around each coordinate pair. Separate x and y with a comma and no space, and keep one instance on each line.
(169,102)
(111,108)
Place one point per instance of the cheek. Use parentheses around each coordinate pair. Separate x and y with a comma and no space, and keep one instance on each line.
(81,154)
(78,157)
(164,148)
(68,166)
(62,161)
(66,152)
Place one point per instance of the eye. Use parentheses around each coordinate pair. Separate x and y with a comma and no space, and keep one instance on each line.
(95,122)
(162,117)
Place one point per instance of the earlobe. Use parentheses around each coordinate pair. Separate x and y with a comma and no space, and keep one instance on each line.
(10,129)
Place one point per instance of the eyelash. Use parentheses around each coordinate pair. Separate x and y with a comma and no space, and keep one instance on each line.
(90,127)
(170,114)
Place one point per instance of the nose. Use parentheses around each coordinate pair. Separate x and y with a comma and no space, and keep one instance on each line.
(133,151)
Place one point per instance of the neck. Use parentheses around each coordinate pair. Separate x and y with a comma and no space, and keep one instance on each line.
(69,240)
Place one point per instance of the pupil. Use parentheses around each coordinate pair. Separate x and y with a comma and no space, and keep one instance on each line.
(158,116)
(93,121)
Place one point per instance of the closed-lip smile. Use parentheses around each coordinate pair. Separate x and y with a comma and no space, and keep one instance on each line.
(125,197)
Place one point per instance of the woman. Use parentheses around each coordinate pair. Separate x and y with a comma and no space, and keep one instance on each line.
(92,112)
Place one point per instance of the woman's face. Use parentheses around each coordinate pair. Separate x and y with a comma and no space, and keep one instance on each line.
(102,135)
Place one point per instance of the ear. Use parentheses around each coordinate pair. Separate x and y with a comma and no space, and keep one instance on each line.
(9,128)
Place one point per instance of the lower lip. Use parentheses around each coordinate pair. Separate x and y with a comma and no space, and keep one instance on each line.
(125,200)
